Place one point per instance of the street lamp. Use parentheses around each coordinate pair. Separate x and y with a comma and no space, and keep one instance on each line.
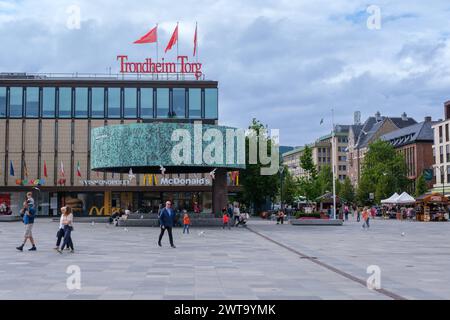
(281,170)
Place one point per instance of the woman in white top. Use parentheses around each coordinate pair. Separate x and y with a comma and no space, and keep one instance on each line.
(67,223)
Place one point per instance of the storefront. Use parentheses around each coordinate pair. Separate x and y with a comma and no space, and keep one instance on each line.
(432,207)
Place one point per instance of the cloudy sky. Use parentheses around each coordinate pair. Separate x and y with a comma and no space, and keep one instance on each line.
(284,62)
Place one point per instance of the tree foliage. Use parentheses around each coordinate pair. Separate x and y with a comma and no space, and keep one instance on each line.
(421,186)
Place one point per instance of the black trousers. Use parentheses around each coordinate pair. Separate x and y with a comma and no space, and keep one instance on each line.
(169,230)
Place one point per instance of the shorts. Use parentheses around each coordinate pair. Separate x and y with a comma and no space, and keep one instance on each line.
(28,229)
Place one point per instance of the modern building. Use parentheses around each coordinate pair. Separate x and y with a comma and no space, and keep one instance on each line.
(415,142)
(46,125)
(441,153)
(361,136)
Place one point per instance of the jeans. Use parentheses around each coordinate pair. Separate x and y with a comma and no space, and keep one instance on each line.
(186,227)
(169,230)
(59,236)
(67,238)
(358,217)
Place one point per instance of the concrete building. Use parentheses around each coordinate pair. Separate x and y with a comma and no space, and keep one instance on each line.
(441,153)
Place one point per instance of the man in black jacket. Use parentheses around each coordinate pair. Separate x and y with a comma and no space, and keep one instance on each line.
(166,220)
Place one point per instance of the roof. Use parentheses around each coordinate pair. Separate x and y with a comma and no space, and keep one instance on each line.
(422,131)
(372,125)
(296,150)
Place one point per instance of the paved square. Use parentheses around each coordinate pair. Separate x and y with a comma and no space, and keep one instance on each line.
(119,263)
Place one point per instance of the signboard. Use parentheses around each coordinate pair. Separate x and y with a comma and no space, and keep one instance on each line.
(105,182)
(428,174)
(371,196)
(148,66)
(184,182)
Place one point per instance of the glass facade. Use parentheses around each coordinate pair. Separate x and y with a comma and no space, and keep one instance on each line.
(179,103)
(113,102)
(2,102)
(195,103)
(81,102)
(32,103)
(15,102)
(98,102)
(162,103)
(131,103)
(211,104)
(146,103)
(65,102)
(48,102)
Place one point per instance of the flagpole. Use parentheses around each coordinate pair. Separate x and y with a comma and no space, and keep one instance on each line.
(196,41)
(157,39)
(177,39)
(333,162)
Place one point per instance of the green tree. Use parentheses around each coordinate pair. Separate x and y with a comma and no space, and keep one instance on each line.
(383,172)
(346,190)
(307,163)
(324,180)
(290,187)
(421,185)
(257,188)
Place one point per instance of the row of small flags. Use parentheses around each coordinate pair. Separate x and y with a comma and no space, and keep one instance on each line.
(25,169)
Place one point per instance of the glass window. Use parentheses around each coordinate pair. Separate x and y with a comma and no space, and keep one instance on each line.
(98,102)
(48,102)
(179,103)
(32,104)
(81,102)
(15,102)
(113,102)
(195,103)
(65,102)
(146,103)
(162,102)
(211,103)
(2,102)
(130,102)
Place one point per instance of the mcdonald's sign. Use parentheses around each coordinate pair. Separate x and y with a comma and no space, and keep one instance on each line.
(150,179)
(98,212)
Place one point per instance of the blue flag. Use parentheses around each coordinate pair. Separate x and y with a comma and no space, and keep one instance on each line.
(11,168)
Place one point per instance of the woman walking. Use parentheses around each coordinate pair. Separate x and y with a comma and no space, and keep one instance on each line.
(67,222)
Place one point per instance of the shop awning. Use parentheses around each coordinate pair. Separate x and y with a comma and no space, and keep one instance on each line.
(391,199)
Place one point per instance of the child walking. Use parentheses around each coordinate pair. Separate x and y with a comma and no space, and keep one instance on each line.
(186,222)
(225,219)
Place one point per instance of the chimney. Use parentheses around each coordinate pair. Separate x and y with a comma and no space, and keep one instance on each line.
(427,119)
(404,116)
(378,116)
(447,110)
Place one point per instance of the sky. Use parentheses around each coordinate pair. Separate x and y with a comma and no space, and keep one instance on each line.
(287,63)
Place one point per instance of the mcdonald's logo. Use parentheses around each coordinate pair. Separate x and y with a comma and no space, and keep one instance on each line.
(99,212)
(150,179)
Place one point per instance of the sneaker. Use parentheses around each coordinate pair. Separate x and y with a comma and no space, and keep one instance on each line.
(173,246)
(20,248)
(159,244)
(55,248)
(59,250)
(33,248)
(72,251)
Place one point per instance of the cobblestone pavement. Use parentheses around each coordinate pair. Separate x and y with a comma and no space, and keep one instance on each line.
(211,263)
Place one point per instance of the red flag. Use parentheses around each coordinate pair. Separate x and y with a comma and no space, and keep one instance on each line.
(150,37)
(45,169)
(173,39)
(195,40)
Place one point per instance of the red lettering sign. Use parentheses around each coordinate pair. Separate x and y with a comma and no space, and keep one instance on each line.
(149,66)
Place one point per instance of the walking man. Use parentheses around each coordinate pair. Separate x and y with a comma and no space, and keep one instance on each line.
(166,219)
(28,219)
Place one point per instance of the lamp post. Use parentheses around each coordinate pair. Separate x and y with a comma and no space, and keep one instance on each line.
(281,170)
(333,164)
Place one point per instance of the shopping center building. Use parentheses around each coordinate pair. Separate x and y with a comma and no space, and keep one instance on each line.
(47,145)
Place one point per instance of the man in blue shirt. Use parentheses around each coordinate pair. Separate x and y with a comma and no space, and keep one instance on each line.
(166,219)
(28,219)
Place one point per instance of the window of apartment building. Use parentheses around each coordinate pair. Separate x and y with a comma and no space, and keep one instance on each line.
(146,103)
(440,134)
(441,154)
(2,102)
(81,102)
(448,174)
(195,103)
(48,102)
(32,102)
(130,102)
(434,154)
(15,102)
(113,102)
(98,102)
(342,158)
(442,173)
(65,102)
(447,151)
(179,102)
(446,133)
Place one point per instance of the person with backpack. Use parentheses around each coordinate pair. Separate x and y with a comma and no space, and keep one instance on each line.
(166,220)
(29,213)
